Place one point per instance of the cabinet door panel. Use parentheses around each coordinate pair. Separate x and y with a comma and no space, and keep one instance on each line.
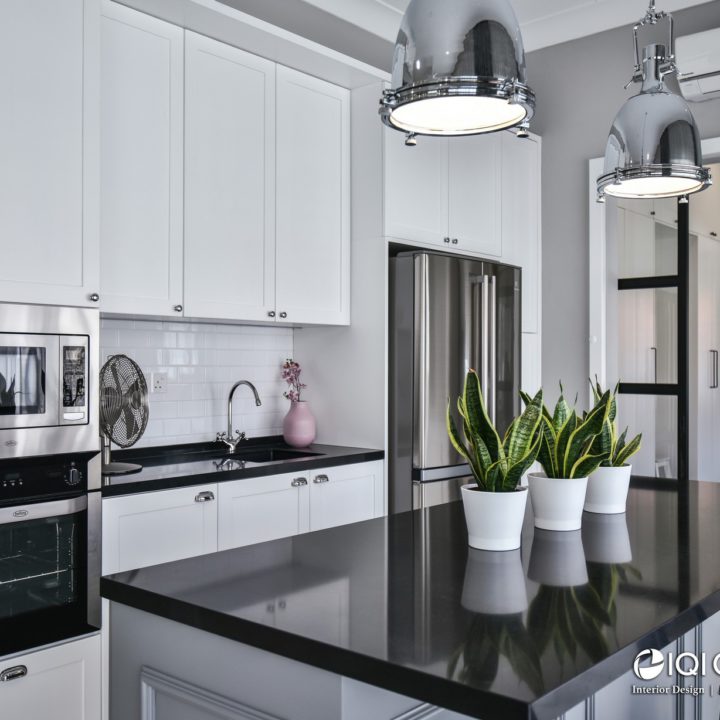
(313,200)
(260,509)
(349,494)
(229,181)
(521,230)
(416,188)
(475,208)
(48,145)
(157,527)
(142,163)
(62,683)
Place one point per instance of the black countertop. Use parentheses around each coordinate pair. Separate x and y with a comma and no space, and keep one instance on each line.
(183,465)
(521,634)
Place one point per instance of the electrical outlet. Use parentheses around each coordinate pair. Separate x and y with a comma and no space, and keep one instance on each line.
(159,382)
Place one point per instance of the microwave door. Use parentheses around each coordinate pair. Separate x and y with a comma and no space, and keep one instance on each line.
(29,389)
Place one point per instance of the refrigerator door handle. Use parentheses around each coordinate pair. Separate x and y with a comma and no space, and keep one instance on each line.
(492,333)
(485,339)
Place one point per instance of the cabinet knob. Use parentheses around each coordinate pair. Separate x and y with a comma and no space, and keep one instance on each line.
(299,482)
(283,315)
(13,673)
(178,308)
(446,240)
(94,297)
(454,241)
(713,234)
(318,479)
(205,496)
(271,313)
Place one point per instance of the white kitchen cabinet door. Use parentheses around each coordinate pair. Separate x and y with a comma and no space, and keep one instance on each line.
(521,231)
(61,682)
(312,278)
(261,509)
(141,181)
(345,494)
(229,182)
(416,189)
(475,194)
(157,527)
(49,151)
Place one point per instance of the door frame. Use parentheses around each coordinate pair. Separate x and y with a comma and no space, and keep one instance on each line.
(597,286)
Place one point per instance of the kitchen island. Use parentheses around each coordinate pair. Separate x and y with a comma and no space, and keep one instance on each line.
(397,618)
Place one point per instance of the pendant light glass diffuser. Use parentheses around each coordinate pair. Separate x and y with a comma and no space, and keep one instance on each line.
(458,69)
(653,150)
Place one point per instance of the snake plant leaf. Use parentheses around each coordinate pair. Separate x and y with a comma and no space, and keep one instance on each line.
(620,443)
(591,603)
(546,451)
(588,632)
(628,451)
(494,478)
(563,621)
(587,430)
(523,430)
(561,414)
(477,416)
(586,465)
(455,436)
(563,441)
(517,470)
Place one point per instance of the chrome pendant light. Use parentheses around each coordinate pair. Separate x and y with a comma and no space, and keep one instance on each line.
(653,150)
(458,69)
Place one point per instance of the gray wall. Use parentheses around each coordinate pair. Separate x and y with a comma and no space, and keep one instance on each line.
(579,86)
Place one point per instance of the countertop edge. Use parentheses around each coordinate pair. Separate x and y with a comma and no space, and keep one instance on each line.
(380,673)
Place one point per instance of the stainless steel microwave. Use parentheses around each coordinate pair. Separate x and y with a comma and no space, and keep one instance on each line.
(48,380)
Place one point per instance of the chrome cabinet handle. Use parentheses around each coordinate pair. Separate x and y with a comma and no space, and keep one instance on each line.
(446,240)
(283,315)
(205,496)
(271,313)
(13,673)
(178,308)
(715,363)
(94,297)
(654,351)
(299,482)
(318,479)
(454,241)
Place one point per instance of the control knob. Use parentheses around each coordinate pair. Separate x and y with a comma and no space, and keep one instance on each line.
(74,476)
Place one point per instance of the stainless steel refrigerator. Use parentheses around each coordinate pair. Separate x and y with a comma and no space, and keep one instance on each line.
(447,314)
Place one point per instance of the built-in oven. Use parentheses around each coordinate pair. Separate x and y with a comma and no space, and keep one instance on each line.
(49,551)
(48,380)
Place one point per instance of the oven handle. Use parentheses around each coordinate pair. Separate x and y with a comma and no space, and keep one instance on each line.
(38,511)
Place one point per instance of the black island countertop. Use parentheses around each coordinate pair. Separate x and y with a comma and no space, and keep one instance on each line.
(175,466)
(523,634)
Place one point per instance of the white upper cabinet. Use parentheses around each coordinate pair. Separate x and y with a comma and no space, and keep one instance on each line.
(475,182)
(229,182)
(49,151)
(521,230)
(312,200)
(141,199)
(416,188)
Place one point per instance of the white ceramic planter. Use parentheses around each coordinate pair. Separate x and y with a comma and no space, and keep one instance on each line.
(557,502)
(494,519)
(608,490)
(606,539)
(557,559)
(494,583)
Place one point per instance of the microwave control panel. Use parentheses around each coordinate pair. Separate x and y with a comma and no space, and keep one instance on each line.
(74,376)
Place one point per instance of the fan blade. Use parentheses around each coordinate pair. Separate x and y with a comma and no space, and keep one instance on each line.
(131,423)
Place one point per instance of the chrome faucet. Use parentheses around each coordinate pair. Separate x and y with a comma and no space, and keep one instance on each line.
(227,438)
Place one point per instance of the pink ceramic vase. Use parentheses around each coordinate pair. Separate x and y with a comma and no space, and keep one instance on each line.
(299,425)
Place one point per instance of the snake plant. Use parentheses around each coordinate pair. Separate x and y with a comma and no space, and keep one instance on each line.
(497,463)
(618,450)
(567,440)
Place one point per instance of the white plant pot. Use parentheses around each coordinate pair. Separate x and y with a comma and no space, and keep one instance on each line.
(606,539)
(494,583)
(557,559)
(608,490)
(557,503)
(494,519)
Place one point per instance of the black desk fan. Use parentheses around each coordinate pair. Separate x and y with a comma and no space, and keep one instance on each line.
(124,410)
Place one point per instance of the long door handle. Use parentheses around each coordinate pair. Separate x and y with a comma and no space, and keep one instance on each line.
(485,339)
(716,369)
(492,332)
(654,352)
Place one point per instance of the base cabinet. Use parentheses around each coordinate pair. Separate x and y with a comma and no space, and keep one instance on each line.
(157,527)
(61,682)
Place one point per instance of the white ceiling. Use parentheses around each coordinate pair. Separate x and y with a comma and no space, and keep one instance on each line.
(544,22)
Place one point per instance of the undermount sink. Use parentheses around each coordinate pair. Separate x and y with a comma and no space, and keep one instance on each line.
(264,455)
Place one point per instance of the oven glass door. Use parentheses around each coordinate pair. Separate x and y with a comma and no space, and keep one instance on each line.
(43,573)
(28,381)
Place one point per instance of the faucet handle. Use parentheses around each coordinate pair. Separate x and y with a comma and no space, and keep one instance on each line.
(220,437)
(240,435)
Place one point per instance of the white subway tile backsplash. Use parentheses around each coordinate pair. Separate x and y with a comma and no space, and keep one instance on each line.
(201,362)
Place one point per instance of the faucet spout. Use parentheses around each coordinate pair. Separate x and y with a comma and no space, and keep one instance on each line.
(233,441)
